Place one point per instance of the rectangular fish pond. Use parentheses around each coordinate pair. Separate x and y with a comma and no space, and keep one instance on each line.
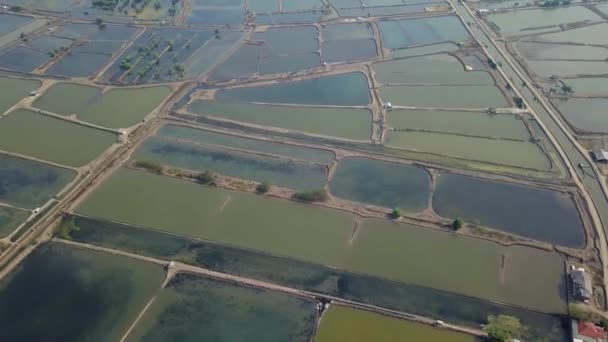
(332,237)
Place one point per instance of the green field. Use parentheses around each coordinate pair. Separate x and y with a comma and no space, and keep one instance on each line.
(56,140)
(115,109)
(342,323)
(330,237)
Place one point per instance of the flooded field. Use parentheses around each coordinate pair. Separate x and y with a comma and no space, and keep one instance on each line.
(115,108)
(340,323)
(102,292)
(56,140)
(350,89)
(14,89)
(541,20)
(346,123)
(307,276)
(559,225)
(282,172)
(193,308)
(29,184)
(330,237)
(381,183)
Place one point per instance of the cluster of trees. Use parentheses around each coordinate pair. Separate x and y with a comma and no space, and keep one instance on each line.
(553,3)
(311,196)
(580,313)
(106,5)
(149,165)
(263,188)
(173,8)
(206,177)
(55,51)
(503,328)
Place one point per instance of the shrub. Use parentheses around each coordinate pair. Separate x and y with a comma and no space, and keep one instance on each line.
(457,223)
(205,177)
(311,196)
(149,165)
(396,213)
(263,187)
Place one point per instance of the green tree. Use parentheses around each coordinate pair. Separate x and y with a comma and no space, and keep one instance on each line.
(205,177)
(503,328)
(580,313)
(567,89)
(263,187)
(311,196)
(457,223)
(396,213)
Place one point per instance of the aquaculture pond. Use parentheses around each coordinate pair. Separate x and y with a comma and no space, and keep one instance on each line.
(102,292)
(381,183)
(529,21)
(7,38)
(521,154)
(592,35)
(203,12)
(348,42)
(74,50)
(56,140)
(548,68)
(29,184)
(397,34)
(541,214)
(349,123)
(332,237)
(423,50)
(544,51)
(411,298)
(439,69)
(590,86)
(436,96)
(15,89)
(10,219)
(474,124)
(242,143)
(275,50)
(341,323)
(114,108)
(282,172)
(351,89)
(195,308)
(585,114)
(10,22)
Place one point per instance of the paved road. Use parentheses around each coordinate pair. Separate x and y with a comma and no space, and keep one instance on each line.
(588,176)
